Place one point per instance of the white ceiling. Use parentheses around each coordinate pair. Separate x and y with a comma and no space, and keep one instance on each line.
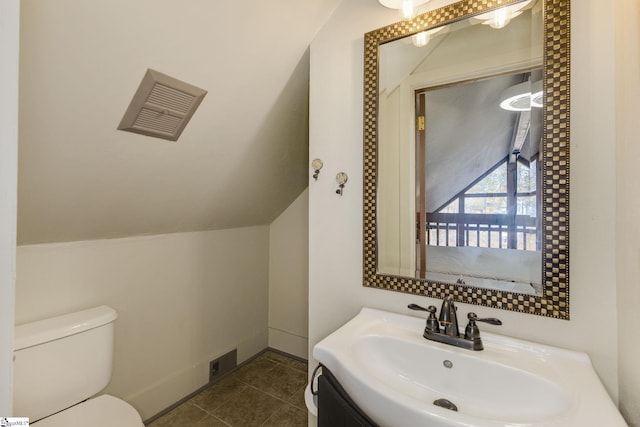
(240,161)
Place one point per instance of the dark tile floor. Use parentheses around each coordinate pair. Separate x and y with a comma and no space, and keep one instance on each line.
(268,391)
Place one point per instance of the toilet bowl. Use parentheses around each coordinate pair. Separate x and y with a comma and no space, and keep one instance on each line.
(59,363)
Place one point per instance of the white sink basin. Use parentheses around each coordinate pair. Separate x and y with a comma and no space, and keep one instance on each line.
(394,375)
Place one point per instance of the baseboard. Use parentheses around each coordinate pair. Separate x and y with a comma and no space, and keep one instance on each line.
(165,394)
(204,387)
(289,343)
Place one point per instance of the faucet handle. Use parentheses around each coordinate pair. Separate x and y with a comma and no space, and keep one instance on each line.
(432,322)
(419,307)
(472,332)
(490,320)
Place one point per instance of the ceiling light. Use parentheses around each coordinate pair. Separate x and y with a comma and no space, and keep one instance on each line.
(522,97)
(536,95)
(407,8)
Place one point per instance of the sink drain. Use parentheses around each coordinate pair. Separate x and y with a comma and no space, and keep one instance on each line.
(446,404)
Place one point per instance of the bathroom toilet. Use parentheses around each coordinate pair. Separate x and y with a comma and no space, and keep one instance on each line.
(59,363)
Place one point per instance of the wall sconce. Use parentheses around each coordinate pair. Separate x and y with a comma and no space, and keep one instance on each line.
(407,8)
(316,165)
(341,179)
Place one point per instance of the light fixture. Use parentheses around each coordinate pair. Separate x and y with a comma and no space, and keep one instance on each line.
(422,38)
(536,94)
(407,8)
(501,17)
(522,97)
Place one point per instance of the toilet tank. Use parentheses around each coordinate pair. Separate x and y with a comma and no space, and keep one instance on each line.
(61,361)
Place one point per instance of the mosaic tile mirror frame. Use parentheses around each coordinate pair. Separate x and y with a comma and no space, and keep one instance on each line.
(553,300)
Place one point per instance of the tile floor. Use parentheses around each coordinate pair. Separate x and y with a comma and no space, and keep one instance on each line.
(267,392)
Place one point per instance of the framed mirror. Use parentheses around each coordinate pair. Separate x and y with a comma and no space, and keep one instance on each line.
(466,155)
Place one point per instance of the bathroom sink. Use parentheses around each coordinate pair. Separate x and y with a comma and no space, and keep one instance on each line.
(395,375)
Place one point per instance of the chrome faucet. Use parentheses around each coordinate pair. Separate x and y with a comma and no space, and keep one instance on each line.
(445,328)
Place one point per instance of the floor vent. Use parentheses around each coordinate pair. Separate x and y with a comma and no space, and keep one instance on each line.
(223,365)
(161,107)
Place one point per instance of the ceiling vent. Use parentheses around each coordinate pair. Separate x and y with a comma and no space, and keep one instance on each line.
(161,107)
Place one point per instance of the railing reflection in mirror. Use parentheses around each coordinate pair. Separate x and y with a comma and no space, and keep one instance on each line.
(482,230)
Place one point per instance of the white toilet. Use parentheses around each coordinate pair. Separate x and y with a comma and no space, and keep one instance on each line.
(61,362)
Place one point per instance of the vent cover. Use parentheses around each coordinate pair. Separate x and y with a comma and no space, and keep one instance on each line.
(161,107)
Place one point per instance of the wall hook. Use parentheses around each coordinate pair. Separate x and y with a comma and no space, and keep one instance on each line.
(341,179)
(316,164)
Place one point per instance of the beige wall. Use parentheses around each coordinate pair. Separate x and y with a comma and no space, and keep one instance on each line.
(9,44)
(289,278)
(335,223)
(182,300)
(628,205)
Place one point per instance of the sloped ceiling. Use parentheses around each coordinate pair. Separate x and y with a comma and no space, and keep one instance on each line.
(469,134)
(241,160)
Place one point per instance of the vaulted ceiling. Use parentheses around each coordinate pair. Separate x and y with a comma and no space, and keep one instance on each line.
(240,161)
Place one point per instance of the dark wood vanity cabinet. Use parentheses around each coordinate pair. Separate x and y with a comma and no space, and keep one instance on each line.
(335,407)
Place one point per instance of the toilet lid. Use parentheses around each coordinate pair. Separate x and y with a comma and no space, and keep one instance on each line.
(102,411)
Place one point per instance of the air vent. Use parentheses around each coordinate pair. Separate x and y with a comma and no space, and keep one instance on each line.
(161,107)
